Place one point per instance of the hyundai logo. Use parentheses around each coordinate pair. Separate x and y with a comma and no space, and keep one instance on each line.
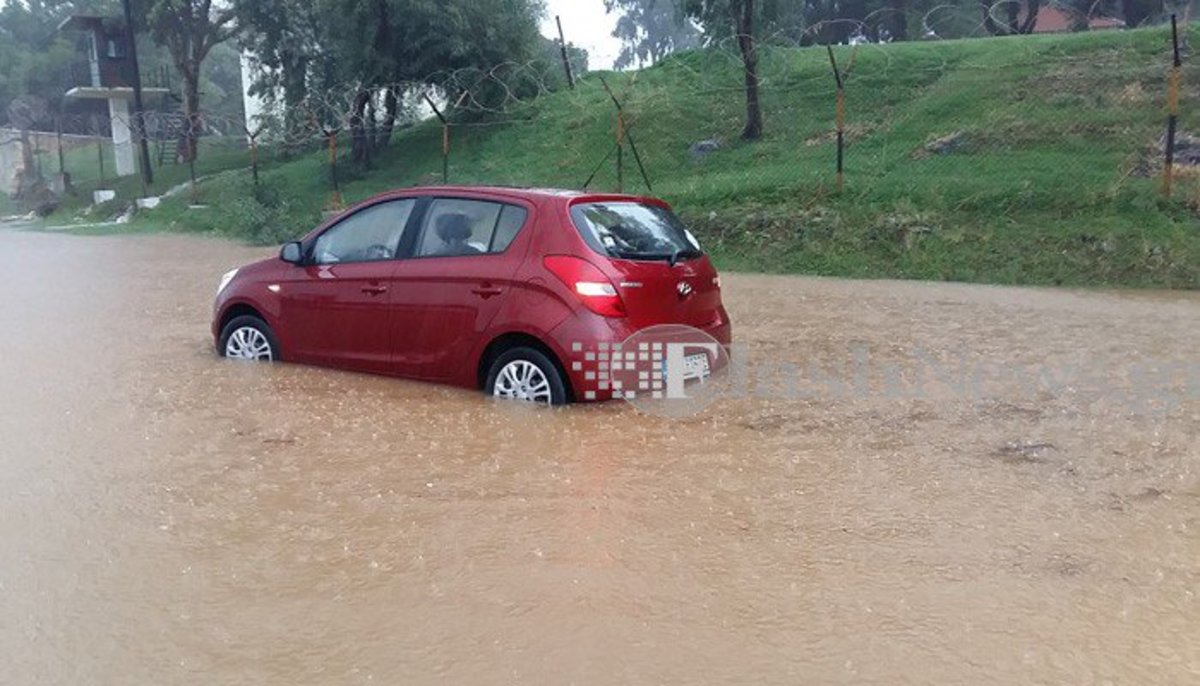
(684,288)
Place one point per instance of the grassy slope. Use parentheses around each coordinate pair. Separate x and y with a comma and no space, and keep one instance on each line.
(1041,190)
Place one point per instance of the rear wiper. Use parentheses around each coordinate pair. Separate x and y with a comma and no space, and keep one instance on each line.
(670,258)
(681,253)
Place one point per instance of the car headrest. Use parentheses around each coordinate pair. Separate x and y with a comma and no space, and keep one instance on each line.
(454,227)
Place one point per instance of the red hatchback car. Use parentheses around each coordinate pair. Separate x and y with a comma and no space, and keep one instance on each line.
(505,290)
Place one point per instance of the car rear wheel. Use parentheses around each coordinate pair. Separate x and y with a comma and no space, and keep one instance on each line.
(527,375)
(249,338)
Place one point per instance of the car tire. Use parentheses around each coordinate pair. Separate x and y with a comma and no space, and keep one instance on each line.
(528,375)
(249,338)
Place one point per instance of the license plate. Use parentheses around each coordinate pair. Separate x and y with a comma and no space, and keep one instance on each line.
(696,367)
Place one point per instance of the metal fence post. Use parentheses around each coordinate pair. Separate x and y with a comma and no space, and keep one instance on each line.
(1172,110)
(445,138)
(839,118)
(620,152)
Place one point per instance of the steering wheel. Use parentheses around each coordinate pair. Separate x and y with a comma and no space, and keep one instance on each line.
(379,252)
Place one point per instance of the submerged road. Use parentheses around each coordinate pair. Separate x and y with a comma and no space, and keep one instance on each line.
(918,483)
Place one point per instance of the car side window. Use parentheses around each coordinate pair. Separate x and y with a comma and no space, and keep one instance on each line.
(512,218)
(369,235)
(456,228)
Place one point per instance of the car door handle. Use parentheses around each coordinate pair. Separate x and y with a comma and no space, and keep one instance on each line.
(486,292)
(374,290)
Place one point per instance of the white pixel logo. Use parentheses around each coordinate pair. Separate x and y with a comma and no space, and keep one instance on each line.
(667,370)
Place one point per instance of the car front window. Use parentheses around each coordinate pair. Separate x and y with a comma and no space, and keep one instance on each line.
(369,235)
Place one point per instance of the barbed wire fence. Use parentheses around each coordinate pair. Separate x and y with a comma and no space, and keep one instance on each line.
(998,122)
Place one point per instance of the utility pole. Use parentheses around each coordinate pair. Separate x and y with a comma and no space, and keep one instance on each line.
(139,121)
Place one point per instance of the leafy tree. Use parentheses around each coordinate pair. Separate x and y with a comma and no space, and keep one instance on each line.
(288,40)
(737,19)
(550,62)
(649,30)
(377,51)
(189,29)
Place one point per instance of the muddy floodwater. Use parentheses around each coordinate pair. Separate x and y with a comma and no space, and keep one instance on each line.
(937,484)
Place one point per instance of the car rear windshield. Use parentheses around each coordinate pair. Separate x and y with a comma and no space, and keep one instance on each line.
(634,231)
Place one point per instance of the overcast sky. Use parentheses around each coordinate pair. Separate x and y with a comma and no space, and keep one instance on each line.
(586,25)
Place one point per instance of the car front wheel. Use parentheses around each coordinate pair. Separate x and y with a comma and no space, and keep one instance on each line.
(249,338)
(527,375)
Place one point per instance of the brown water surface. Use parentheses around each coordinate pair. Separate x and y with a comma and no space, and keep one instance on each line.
(167,517)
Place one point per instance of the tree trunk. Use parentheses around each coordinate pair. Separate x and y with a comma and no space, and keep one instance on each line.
(1013,10)
(1134,12)
(360,152)
(391,105)
(899,23)
(988,22)
(856,12)
(1031,9)
(371,125)
(743,21)
(295,91)
(192,122)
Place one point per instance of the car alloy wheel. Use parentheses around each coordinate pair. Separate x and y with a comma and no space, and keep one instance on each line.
(249,338)
(523,380)
(528,375)
(248,343)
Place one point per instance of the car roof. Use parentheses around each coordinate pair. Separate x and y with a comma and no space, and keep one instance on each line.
(536,196)
(531,194)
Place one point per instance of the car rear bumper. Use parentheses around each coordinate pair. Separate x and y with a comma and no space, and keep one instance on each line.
(583,341)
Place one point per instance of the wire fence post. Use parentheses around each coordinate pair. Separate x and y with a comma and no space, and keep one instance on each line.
(445,138)
(335,199)
(138,128)
(254,159)
(252,136)
(445,153)
(1172,111)
(566,55)
(193,192)
(624,134)
(62,166)
(620,152)
(839,119)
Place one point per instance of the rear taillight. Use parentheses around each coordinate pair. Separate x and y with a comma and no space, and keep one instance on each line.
(588,283)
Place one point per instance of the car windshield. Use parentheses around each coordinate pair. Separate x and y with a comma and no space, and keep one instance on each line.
(634,231)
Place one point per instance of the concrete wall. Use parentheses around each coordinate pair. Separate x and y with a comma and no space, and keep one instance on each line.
(12,161)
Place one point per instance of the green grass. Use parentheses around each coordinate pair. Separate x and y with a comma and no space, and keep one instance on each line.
(1043,188)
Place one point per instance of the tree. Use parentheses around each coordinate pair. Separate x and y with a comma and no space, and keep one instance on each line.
(649,30)
(1013,22)
(189,29)
(739,16)
(379,50)
(1136,12)
(287,40)
(550,63)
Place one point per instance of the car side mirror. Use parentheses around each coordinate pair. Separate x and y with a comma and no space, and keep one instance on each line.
(292,253)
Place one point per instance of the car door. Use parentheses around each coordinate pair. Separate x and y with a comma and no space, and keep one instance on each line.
(464,257)
(337,304)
